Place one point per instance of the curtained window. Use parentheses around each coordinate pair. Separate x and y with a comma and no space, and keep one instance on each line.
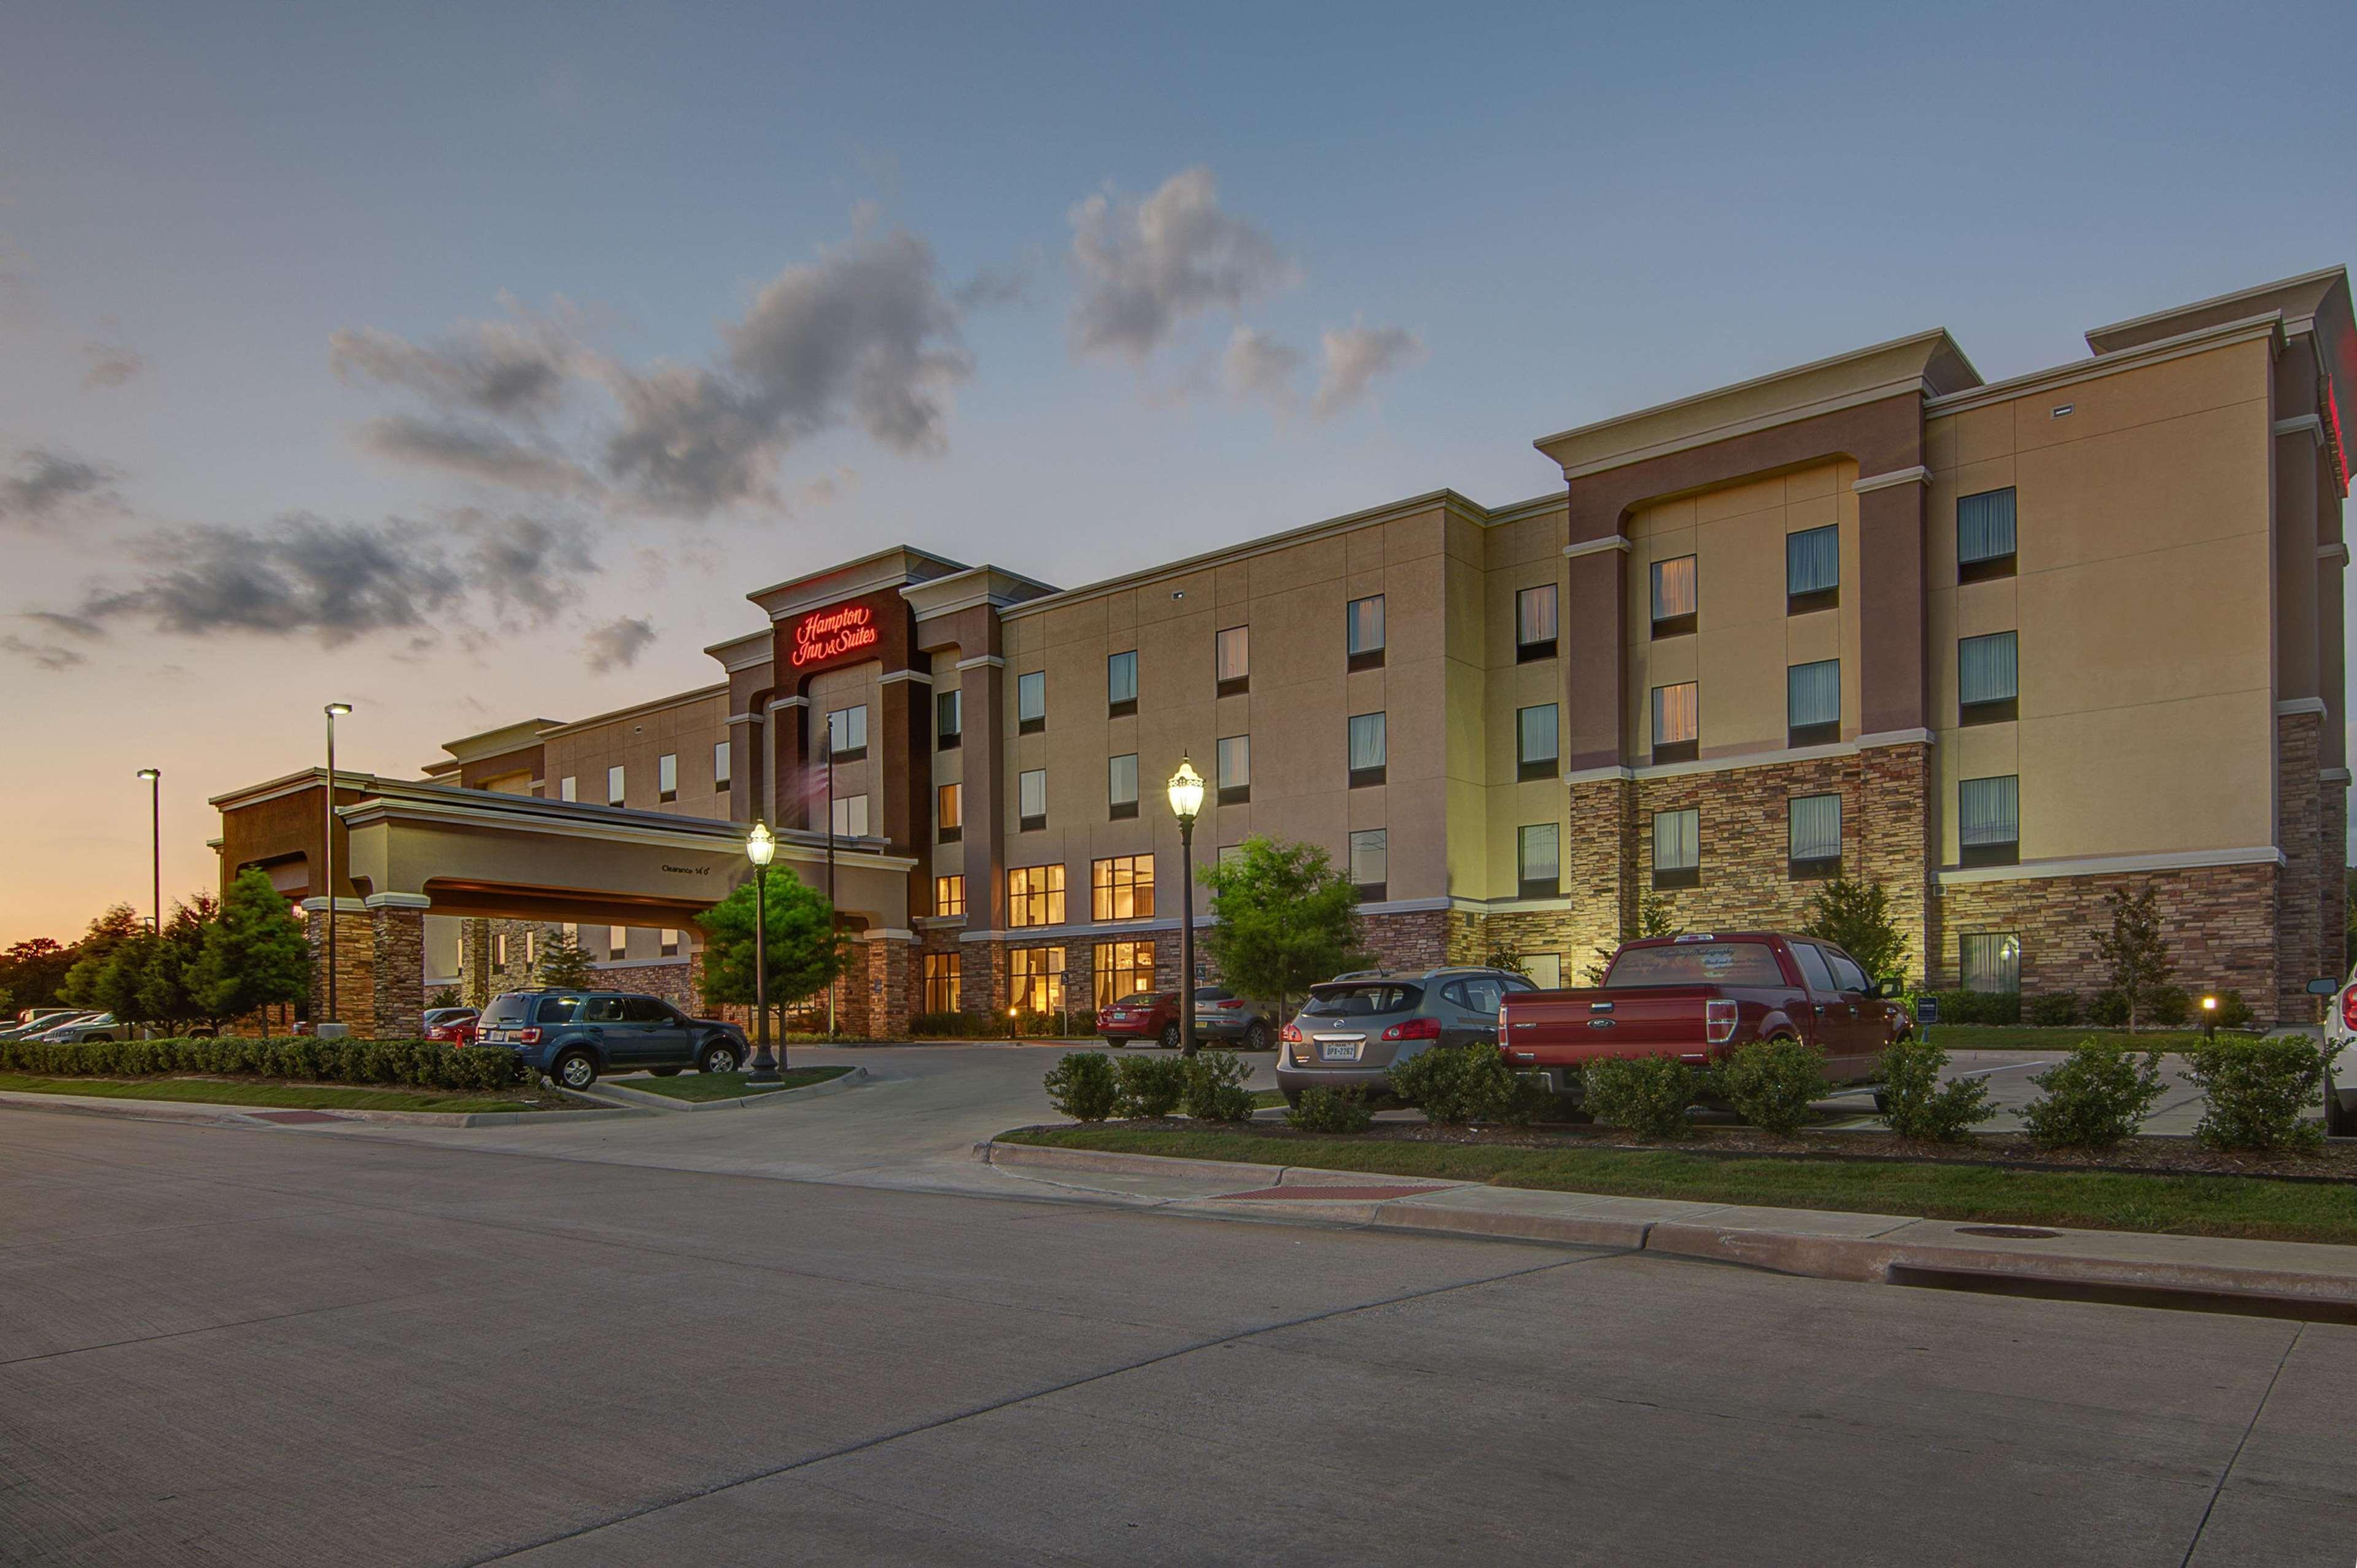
(1538,865)
(1535,745)
(1370,861)
(1677,848)
(1813,702)
(1988,820)
(1988,677)
(1992,962)
(1121,684)
(1677,722)
(1816,844)
(1363,632)
(1535,623)
(1368,749)
(1812,570)
(1673,597)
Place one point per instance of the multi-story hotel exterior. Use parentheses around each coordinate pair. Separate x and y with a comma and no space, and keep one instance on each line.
(2000,646)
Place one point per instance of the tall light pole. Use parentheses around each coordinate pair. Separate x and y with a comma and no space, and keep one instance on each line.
(1186,800)
(328,837)
(760,849)
(155,777)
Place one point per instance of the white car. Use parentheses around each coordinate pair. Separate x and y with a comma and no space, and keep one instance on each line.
(2341,1044)
(82,1030)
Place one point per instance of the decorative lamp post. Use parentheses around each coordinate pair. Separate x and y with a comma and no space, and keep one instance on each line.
(2209,1017)
(155,777)
(328,834)
(760,849)
(1186,800)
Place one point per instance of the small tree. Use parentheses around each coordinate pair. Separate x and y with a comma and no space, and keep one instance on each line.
(565,963)
(34,969)
(1503,957)
(804,949)
(2134,950)
(1655,917)
(1283,919)
(83,985)
(446,997)
(254,955)
(1855,918)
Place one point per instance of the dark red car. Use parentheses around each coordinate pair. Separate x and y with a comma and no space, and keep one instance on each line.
(451,1026)
(1220,1014)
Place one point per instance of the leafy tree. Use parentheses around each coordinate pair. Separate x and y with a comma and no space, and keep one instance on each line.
(2135,951)
(33,970)
(1655,917)
(565,963)
(1502,956)
(81,987)
(1283,919)
(1855,918)
(446,997)
(254,955)
(2348,918)
(803,947)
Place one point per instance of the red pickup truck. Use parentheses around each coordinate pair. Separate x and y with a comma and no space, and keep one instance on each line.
(1699,996)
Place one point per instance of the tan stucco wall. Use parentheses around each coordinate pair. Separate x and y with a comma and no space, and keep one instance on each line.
(689,726)
(1488,805)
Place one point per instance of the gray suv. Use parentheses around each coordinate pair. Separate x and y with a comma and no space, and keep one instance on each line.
(1355,1029)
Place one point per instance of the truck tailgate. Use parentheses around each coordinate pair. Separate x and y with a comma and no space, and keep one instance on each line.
(1566,1027)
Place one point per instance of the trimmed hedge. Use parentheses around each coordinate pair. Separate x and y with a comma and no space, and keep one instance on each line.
(416,1064)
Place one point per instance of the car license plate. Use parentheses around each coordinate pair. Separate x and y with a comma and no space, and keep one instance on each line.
(1337,1050)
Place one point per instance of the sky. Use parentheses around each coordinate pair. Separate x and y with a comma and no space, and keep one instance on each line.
(469,363)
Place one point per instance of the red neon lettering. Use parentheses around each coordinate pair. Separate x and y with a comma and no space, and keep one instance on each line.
(823,634)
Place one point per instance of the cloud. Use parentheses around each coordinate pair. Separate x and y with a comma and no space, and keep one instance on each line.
(529,562)
(71,625)
(507,369)
(111,364)
(474,451)
(618,643)
(1354,357)
(1146,267)
(50,483)
(48,655)
(1258,366)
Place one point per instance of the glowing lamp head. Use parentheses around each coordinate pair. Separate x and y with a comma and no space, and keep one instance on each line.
(762,846)
(149,774)
(2208,1004)
(337,709)
(1185,791)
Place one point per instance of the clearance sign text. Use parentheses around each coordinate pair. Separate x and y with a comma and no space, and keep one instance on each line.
(828,634)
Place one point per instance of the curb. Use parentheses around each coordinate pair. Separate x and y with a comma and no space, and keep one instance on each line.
(644,1098)
(190,1113)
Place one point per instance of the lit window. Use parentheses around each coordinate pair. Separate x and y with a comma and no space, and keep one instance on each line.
(568,787)
(614,785)
(1234,659)
(949,719)
(1032,701)
(499,949)
(1812,570)
(617,941)
(720,766)
(667,777)
(1677,848)
(1538,868)
(1122,888)
(1536,746)
(670,942)
(1370,862)
(1121,684)
(1368,749)
(846,733)
(1535,623)
(1121,784)
(1988,679)
(1991,962)
(1363,632)
(1035,980)
(1815,846)
(941,982)
(1988,820)
(948,811)
(1677,722)
(1123,969)
(1031,800)
(532,947)
(850,816)
(1235,769)
(949,895)
(1985,536)
(1813,702)
(1035,896)
(1673,597)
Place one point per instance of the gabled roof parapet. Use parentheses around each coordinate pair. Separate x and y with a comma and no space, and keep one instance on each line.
(990,586)
(900,565)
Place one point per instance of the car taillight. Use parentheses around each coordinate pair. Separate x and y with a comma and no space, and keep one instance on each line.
(1717,1021)
(1227,1007)
(1414,1029)
(527,1036)
(1290,1034)
(2348,1008)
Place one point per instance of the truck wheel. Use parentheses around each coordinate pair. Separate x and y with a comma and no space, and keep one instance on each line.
(576,1068)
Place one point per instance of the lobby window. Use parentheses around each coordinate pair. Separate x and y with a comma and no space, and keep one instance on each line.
(499,949)
(1677,848)
(1538,870)
(1991,962)
(1232,661)
(1673,597)
(949,812)
(1370,862)
(1813,702)
(1032,701)
(614,792)
(1234,769)
(1370,749)
(1121,784)
(532,947)
(850,816)
(720,768)
(667,778)
(1812,570)
(1121,685)
(949,719)
(1035,980)
(1123,969)
(1988,679)
(949,896)
(1031,800)
(568,787)
(1985,536)
(1536,747)
(1813,847)
(670,947)
(1988,820)
(1362,633)
(846,733)
(1121,888)
(1035,896)
(1535,623)
(618,942)
(941,982)
(1677,722)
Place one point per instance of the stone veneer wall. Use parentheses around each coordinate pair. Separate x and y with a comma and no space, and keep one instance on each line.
(673,980)
(355,967)
(2300,829)
(397,1003)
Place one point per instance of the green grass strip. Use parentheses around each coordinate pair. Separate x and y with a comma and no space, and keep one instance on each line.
(702,1086)
(278,1096)
(2058,1038)
(2250,1207)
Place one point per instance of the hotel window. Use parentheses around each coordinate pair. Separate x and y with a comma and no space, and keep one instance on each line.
(1121,784)
(1122,888)
(670,947)
(720,768)
(568,787)
(1035,896)
(1123,969)
(1538,869)
(1234,769)
(1677,722)
(614,786)
(1370,862)
(1545,970)
(941,982)
(1985,536)
(949,896)
(1988,820)
(846,733)
(1812,570)
(499,949)
(949,719)
(1231,852)
(618,942)
(1363,633)
(1368,749)
(1032,701)
(850,816)
(1535,747)
(1233,662)
(1991,960)
(1677,848)
(1121,685)
(1035,980)
(1673,597)
(1813,849)
(1535,628)
(1031,800)
(1988,679)
(532,947)
(572,934)
(949,812)
(1813,702)
(667,778)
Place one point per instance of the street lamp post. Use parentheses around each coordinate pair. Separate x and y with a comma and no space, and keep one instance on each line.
(1186,800)
(327,836)
(760,849)
(155,777)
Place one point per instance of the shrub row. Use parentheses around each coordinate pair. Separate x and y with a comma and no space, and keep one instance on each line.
(407,1063)
(1089,1085)
(2169,1007)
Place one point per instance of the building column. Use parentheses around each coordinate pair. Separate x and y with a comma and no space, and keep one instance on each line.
(355,980)
(785,759)
(1896,847)
(1590,631)
(1602,866)
(746,799)
(983,738)
(396,964)
(1894,694)
(2299,829)
(2332,894)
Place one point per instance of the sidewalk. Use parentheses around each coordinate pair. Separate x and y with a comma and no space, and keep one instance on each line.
(2277,1279)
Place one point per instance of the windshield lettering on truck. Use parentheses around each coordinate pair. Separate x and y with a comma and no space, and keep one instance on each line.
(1720,964)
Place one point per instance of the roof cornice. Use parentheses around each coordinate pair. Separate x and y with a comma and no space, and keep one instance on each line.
(2269,325)
(884,569)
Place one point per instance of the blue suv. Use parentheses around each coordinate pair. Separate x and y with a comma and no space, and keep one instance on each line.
(576,1036)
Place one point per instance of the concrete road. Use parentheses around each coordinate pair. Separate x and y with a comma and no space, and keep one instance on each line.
(272,1345)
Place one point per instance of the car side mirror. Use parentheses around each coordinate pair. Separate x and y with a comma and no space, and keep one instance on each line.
(2323,987)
